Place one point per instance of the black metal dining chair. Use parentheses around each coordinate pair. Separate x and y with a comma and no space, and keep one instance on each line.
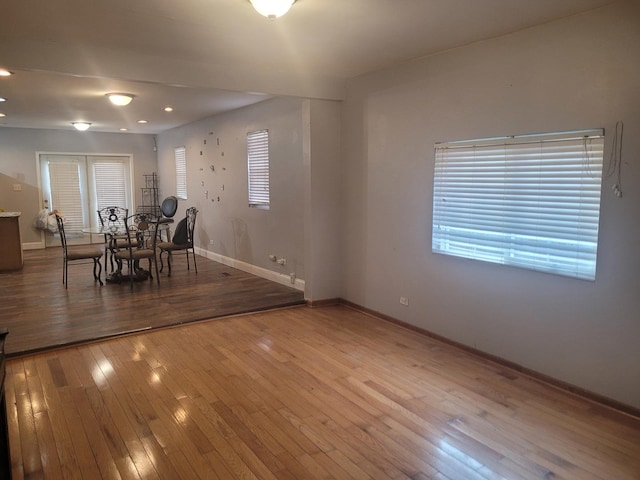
(112,220)
(142,235)
(168,208)
(182,240)
(78,253)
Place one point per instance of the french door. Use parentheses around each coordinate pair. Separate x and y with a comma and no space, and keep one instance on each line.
(78,186)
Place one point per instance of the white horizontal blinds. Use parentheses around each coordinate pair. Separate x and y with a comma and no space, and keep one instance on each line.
(66,196)
(181,172)
(531,201)
(258,164)
(110,179)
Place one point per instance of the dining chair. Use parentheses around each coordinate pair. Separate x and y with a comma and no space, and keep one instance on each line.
(78,253)
(112,220)
(182,240)
(168,209)
(142,235)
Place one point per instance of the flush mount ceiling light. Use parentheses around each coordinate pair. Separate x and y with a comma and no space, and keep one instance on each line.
(120,99)
(272,8)
(5,73)
(82,126)
(2,99)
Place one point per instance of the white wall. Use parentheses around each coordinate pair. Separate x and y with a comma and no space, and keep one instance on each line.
(323,202)
(248,235)
(18,149)
(576,73)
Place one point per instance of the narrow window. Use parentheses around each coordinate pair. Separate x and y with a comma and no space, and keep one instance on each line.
(181,172)
(258,168)
(531,201)
(66,193)
(111,182)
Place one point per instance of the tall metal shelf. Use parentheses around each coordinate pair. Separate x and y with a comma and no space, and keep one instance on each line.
(150,203)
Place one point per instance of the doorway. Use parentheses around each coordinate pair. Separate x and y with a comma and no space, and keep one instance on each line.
(78,186)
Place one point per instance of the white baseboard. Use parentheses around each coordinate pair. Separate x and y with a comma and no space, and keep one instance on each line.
(33,246)
(252,269)
(231,262)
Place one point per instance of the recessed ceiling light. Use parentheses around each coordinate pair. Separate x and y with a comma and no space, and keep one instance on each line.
(124,129)
(2,99)
(82,126)
(168,109)
(5,73)
(142,121)
(3,114)
(120,99)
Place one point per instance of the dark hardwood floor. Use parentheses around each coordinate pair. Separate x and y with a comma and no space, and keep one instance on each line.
(40,313)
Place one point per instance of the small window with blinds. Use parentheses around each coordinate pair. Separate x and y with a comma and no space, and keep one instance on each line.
(258,168)
(66,193)
(180,155)
(530,201)
(111,183)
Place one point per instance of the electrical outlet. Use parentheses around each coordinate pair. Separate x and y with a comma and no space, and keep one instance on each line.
(404,301)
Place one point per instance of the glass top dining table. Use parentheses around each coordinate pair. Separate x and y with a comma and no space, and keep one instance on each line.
(116,230)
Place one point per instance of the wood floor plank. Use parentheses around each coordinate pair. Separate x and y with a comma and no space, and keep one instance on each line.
(300,393)
(31,457)
(169,433)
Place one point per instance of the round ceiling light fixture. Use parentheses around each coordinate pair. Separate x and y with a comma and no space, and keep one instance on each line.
(120,99)
(82,126)
(272,8)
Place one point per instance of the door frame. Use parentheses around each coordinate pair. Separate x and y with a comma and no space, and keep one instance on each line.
(38,161)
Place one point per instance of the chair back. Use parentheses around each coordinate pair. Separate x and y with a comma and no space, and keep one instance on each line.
(192,213)
(63,237)
(142,231)
(112,218)
(169,206)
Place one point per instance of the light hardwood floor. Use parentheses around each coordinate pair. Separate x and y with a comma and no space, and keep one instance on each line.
(300,393)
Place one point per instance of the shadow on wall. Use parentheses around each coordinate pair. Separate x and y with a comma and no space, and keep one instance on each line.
(241,240)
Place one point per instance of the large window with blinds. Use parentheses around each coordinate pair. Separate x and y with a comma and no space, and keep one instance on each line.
(530,201)
(80,185)
(65,186)
(258,168)
(109,184)
(180,155)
